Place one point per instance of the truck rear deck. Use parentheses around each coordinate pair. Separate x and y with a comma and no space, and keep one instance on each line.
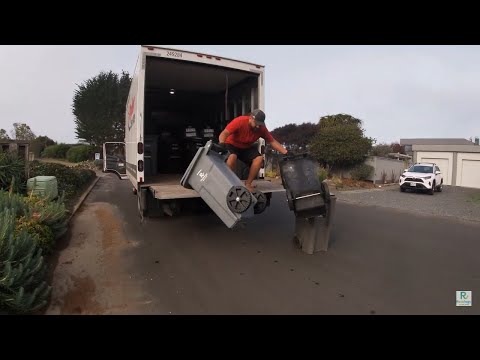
(167,187)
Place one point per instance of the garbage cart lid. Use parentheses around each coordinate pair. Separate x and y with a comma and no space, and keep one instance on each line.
(300,175)
(42,178)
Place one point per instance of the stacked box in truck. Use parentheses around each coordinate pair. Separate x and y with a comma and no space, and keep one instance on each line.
(179,100)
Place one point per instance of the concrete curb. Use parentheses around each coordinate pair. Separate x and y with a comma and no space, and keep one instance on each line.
(82,198)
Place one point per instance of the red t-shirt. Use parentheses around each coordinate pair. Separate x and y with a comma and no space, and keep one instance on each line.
(243,136)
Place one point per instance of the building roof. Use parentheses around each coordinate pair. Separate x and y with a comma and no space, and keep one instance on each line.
(448,148)
(438,141)
(399,156)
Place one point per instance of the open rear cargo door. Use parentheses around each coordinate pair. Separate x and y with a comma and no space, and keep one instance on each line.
(114,159)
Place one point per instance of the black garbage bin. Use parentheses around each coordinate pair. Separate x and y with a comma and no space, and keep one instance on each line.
(306,194)
(310,200)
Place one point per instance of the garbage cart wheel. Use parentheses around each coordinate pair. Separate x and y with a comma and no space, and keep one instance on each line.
(261,204)
(239,199)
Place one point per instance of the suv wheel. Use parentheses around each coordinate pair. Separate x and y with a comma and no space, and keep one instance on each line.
(440,188)
(432,190)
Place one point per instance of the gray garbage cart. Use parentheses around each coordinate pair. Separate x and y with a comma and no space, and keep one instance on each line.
(218,185)
(310,200)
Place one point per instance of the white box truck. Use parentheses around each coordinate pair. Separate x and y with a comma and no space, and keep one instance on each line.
(179,100)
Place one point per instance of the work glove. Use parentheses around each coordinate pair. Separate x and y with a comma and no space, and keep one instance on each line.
(289,154)
(220,148)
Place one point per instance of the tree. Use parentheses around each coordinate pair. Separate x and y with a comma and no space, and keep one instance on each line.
(397,148)
(45,140)
(39,144)
(22,131)
(4,135)
(340,120)
(99,108)
(340,141)
(295,136)
(381,150)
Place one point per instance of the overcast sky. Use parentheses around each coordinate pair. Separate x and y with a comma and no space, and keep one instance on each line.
(398,91)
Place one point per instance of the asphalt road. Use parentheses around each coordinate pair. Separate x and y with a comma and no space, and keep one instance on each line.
(381,261)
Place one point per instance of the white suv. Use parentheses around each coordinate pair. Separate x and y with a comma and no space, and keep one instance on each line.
(422,176)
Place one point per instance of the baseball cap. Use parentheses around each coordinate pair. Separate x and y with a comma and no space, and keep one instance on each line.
(259,116)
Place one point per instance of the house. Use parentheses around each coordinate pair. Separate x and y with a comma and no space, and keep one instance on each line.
(22,147)
(458,159)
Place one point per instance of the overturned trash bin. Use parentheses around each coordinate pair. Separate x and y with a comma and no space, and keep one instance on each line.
(218,185)
(311,202)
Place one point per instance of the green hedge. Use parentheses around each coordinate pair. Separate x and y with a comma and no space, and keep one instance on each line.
(80,153)
(70,180)
(361,172)
(56,151)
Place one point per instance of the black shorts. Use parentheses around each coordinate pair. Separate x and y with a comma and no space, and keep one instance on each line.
(245,155)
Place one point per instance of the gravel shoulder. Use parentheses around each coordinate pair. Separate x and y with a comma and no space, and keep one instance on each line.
(453,202)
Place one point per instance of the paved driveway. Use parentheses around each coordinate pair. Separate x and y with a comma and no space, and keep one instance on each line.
(381,261)
(453,202)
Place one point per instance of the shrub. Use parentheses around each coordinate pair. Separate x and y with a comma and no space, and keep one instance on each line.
(337,181)
(70,180)
(322,174)
(271,174)
(393,177)
(80,153)
(56,151)
(22,268)
(90,165)
(12,172)
(44,220)
(50,213)
(361,172)
(98,164)
(13,202)
(383,177)
(41,233)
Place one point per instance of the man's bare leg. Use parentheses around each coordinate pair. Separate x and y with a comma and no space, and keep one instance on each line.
(254,169)
(231,161)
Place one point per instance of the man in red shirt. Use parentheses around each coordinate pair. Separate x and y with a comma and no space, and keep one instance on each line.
(238,138)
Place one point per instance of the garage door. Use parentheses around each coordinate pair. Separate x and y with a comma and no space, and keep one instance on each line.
(470,173)
(443,164)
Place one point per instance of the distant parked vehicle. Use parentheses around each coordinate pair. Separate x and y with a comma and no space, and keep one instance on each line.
(422,176)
